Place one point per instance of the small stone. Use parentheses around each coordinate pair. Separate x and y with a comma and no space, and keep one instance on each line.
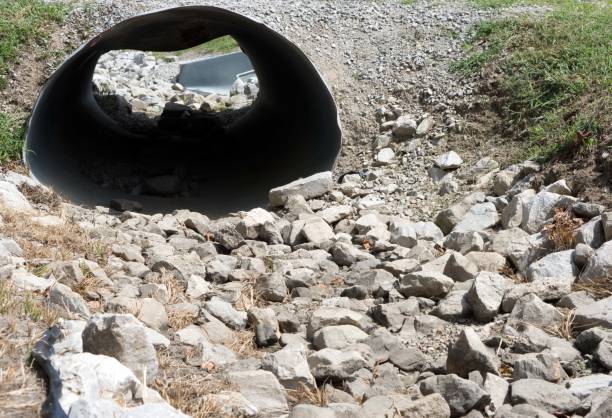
(226,313)
(385,156)
(404,127)
(272,287)
(448,161)
(464,242)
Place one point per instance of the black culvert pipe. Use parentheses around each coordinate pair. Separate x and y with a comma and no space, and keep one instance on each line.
(291,131)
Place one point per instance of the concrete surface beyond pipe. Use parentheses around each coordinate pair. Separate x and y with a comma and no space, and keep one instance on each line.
(291,131)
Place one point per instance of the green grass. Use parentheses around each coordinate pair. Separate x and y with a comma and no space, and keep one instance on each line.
(220,45)
(11,138)
(21,23)
(555,74)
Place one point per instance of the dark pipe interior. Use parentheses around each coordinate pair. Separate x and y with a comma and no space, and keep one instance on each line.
(291,130)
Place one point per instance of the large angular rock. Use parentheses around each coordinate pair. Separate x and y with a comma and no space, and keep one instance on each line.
(497,387)
(606,222)
(455,305)
(518,246)
(591,233)
(595,314)
(487,261)
(12,198)
(290,367)
(512,214)
(427,231)
(468,353)
(538,366)
(559,265)
(600,265)
(448,161)
(402,233)
(338,336)
(182,266)
(345,254)
(426,284)
(409,359)
(461,395)
(225,312)
(332,364)
(448,218)
(317,231)
(506,178)
(584,386)
(272,287)
(603,354)
(392,315)
(530,309)
(383,406)
(311,411)
(460,268)
(335,214)
(262,389)
(480,217)
(253,221)
(309,187)
(547,289)
(328,316)
(266,326)
(464,242)
(63,296)
(124,338)
(486,294)
(548,396)
(541,208)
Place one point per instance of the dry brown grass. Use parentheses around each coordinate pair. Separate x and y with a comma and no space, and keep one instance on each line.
(40,196)
(188,391)
(176,289)
(64,242)
(562,231)
(307,394)
(564,329)
(244,344)
(599,289)
(23,317)
(178,319)
(249,296)
(89,284)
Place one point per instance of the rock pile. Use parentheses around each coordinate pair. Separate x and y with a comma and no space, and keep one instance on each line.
(474,313)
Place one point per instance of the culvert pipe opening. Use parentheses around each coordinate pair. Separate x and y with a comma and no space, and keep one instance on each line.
(217,157)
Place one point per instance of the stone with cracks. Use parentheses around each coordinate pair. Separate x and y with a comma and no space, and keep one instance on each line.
(486,294)
(272,287)
(479,217)
(290,367)
(530,309)
(559,265)
(469,354)
(262,389)
(392,315)
(338,336)
(124,338)
(448,161)
(538,366)
(328,316)
(541,208)
(461,395)
(547,289)
(383,406)
(332,364)
(266,326)
(225,312)
(464,242)
(548,396)
(426,284)
(308,187)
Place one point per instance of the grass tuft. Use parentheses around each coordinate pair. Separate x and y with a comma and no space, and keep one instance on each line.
(11,138)
(21,23)
(553,75)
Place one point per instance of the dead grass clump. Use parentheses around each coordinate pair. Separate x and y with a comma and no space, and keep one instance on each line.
(63,242)
(188,391)
(564,328)
(599,288)
(176,289)
(308,394)
(40,196)
(250,296)
(179,319)
(561,232)
(243,343)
